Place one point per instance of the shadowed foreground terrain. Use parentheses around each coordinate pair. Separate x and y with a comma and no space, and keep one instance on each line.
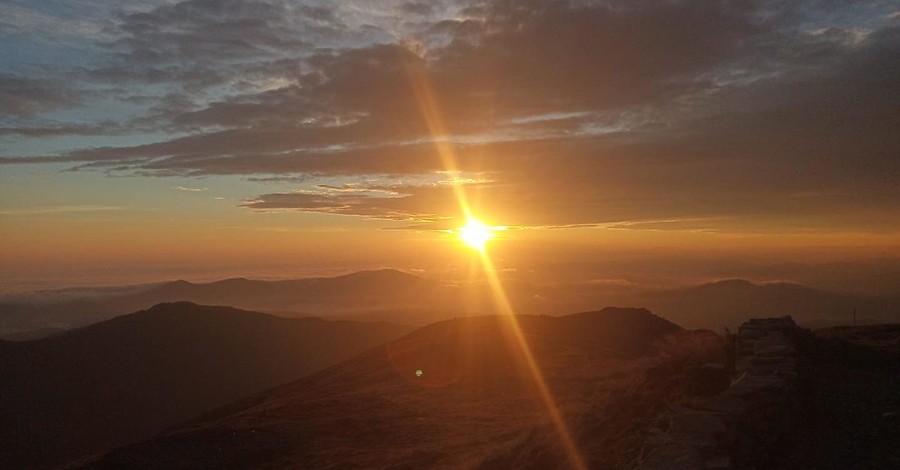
(125,379)
(850,392)
(474,405)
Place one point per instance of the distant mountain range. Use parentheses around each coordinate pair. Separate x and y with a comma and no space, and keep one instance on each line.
(458,393)
(383,290)
(122,380)
(727,303)
(390,295)
(125,379)
(381,295)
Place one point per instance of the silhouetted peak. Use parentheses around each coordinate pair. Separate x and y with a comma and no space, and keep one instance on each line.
(616,312)
(626,317)
(626,311)
(185,309)
(173,306)
(233,280)
(386,274)
(733,283)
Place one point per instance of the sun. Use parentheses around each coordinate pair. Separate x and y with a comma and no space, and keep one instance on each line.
(476,234)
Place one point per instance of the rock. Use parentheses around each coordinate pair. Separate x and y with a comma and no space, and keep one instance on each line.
(776,351)
(771,360)
(776,336)
(696,422)
(696,441)
(788,374)
(656,437)
(724,404)
(672,457)
(719,462)
(750,390)
(725,431)
(758,383)
(708,379)
(675,408)
(750,333)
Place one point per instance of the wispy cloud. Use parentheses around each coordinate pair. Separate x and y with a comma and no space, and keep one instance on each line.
(652,115)
(32,21)
(58,209)
(191,190)
(26,96)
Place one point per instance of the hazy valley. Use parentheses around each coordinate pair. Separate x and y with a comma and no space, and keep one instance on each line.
(398,297)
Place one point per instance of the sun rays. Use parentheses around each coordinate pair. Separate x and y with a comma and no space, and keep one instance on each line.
(476,234)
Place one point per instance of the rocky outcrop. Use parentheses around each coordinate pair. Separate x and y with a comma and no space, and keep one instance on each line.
(733,429)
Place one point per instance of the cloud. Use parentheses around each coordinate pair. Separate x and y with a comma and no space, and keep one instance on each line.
(417,8)
(655,115)
(191,190)
(29,96)
(57,210)
(201,29)
(23,20)
(408,204)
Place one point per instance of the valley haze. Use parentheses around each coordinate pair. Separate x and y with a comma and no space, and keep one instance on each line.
(404,298)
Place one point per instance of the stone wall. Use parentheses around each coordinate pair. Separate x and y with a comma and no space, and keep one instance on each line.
(734,429)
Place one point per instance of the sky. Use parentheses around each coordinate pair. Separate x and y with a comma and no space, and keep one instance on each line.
(148,140)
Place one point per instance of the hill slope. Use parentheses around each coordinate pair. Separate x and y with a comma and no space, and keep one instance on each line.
(455,394)
(127,378)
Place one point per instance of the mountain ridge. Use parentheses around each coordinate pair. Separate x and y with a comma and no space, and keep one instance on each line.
(123,379)
(427,390)
(402,297)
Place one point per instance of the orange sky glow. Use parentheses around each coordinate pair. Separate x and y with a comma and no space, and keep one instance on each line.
(314,145)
